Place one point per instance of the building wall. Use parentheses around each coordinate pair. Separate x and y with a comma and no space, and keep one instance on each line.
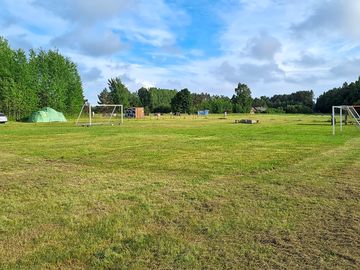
(135,112)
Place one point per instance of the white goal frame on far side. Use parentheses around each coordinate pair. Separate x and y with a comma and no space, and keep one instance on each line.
(89,111)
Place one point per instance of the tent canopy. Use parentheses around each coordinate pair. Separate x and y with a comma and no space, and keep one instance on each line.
(47,114)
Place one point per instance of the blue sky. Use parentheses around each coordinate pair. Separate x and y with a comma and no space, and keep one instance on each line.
(274,46)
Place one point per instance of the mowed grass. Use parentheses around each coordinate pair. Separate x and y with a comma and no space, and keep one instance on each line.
(181,193)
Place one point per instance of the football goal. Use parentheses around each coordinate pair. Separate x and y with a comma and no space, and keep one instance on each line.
(351,111)
(102,114)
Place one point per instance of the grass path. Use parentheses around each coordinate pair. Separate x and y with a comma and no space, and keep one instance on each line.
(182,194)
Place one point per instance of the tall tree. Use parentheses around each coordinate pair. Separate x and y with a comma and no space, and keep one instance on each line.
(25,99)
(74,94)
(119,92)
(105,97)
(145,98)
(7,83)
(242,99)
(220,104)
(199,100)
(16,96)
(134,100)
(263,101)
(160,99)
(57,81)
(297,102)
(46,78)
(182,101)
(348,94)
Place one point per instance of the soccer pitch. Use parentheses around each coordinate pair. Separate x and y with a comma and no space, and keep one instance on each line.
(181,193)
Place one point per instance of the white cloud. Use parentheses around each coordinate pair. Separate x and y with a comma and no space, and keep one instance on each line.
(332,17)
(347,69)
(307,59)
(263,47)
(275,46)
(255,4)
(84,11)
(93,22)
(91,74)
(89,41)
(249,73)
(156,37)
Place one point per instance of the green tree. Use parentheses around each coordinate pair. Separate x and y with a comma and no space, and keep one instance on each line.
(7,83)
(198,101)
(263,101)
(297,102)
(17,97)
(46,78)
(74,94)
(182,101)
(220,104)
(134,100)
(25,99)
(145,98)
(119,92)
(160,99)
(56,80)
(242,99)
(348,94)
(105,97)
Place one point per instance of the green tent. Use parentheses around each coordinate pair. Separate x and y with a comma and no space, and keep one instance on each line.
(47,114)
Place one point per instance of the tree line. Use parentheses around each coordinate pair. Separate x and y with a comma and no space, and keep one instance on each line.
(156,100)
(348,94)
(297,102)
(43,78)
(152,99)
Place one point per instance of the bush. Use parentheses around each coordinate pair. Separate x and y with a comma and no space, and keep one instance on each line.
(162,109)
(274,110)
(298,109)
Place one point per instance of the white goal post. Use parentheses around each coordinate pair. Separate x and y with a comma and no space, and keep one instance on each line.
(100,114)
(350,111)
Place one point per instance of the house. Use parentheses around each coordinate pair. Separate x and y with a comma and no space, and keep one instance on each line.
(258,110)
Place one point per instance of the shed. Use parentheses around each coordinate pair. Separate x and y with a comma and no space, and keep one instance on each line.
(135,112)
(204,112)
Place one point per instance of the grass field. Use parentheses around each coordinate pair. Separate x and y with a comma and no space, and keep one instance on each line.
(190,193)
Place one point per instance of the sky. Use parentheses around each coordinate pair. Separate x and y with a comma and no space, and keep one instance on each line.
(274,46)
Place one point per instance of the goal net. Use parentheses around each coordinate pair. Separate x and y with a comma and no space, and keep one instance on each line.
(103,114)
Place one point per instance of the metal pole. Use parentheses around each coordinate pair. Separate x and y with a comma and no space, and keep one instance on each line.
(333,119)
(122,114)
(112,113)
(82,108)
(341,119)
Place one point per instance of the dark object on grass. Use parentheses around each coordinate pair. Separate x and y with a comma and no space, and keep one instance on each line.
(246,121)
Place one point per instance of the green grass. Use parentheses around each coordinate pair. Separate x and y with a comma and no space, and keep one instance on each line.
(184,193)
